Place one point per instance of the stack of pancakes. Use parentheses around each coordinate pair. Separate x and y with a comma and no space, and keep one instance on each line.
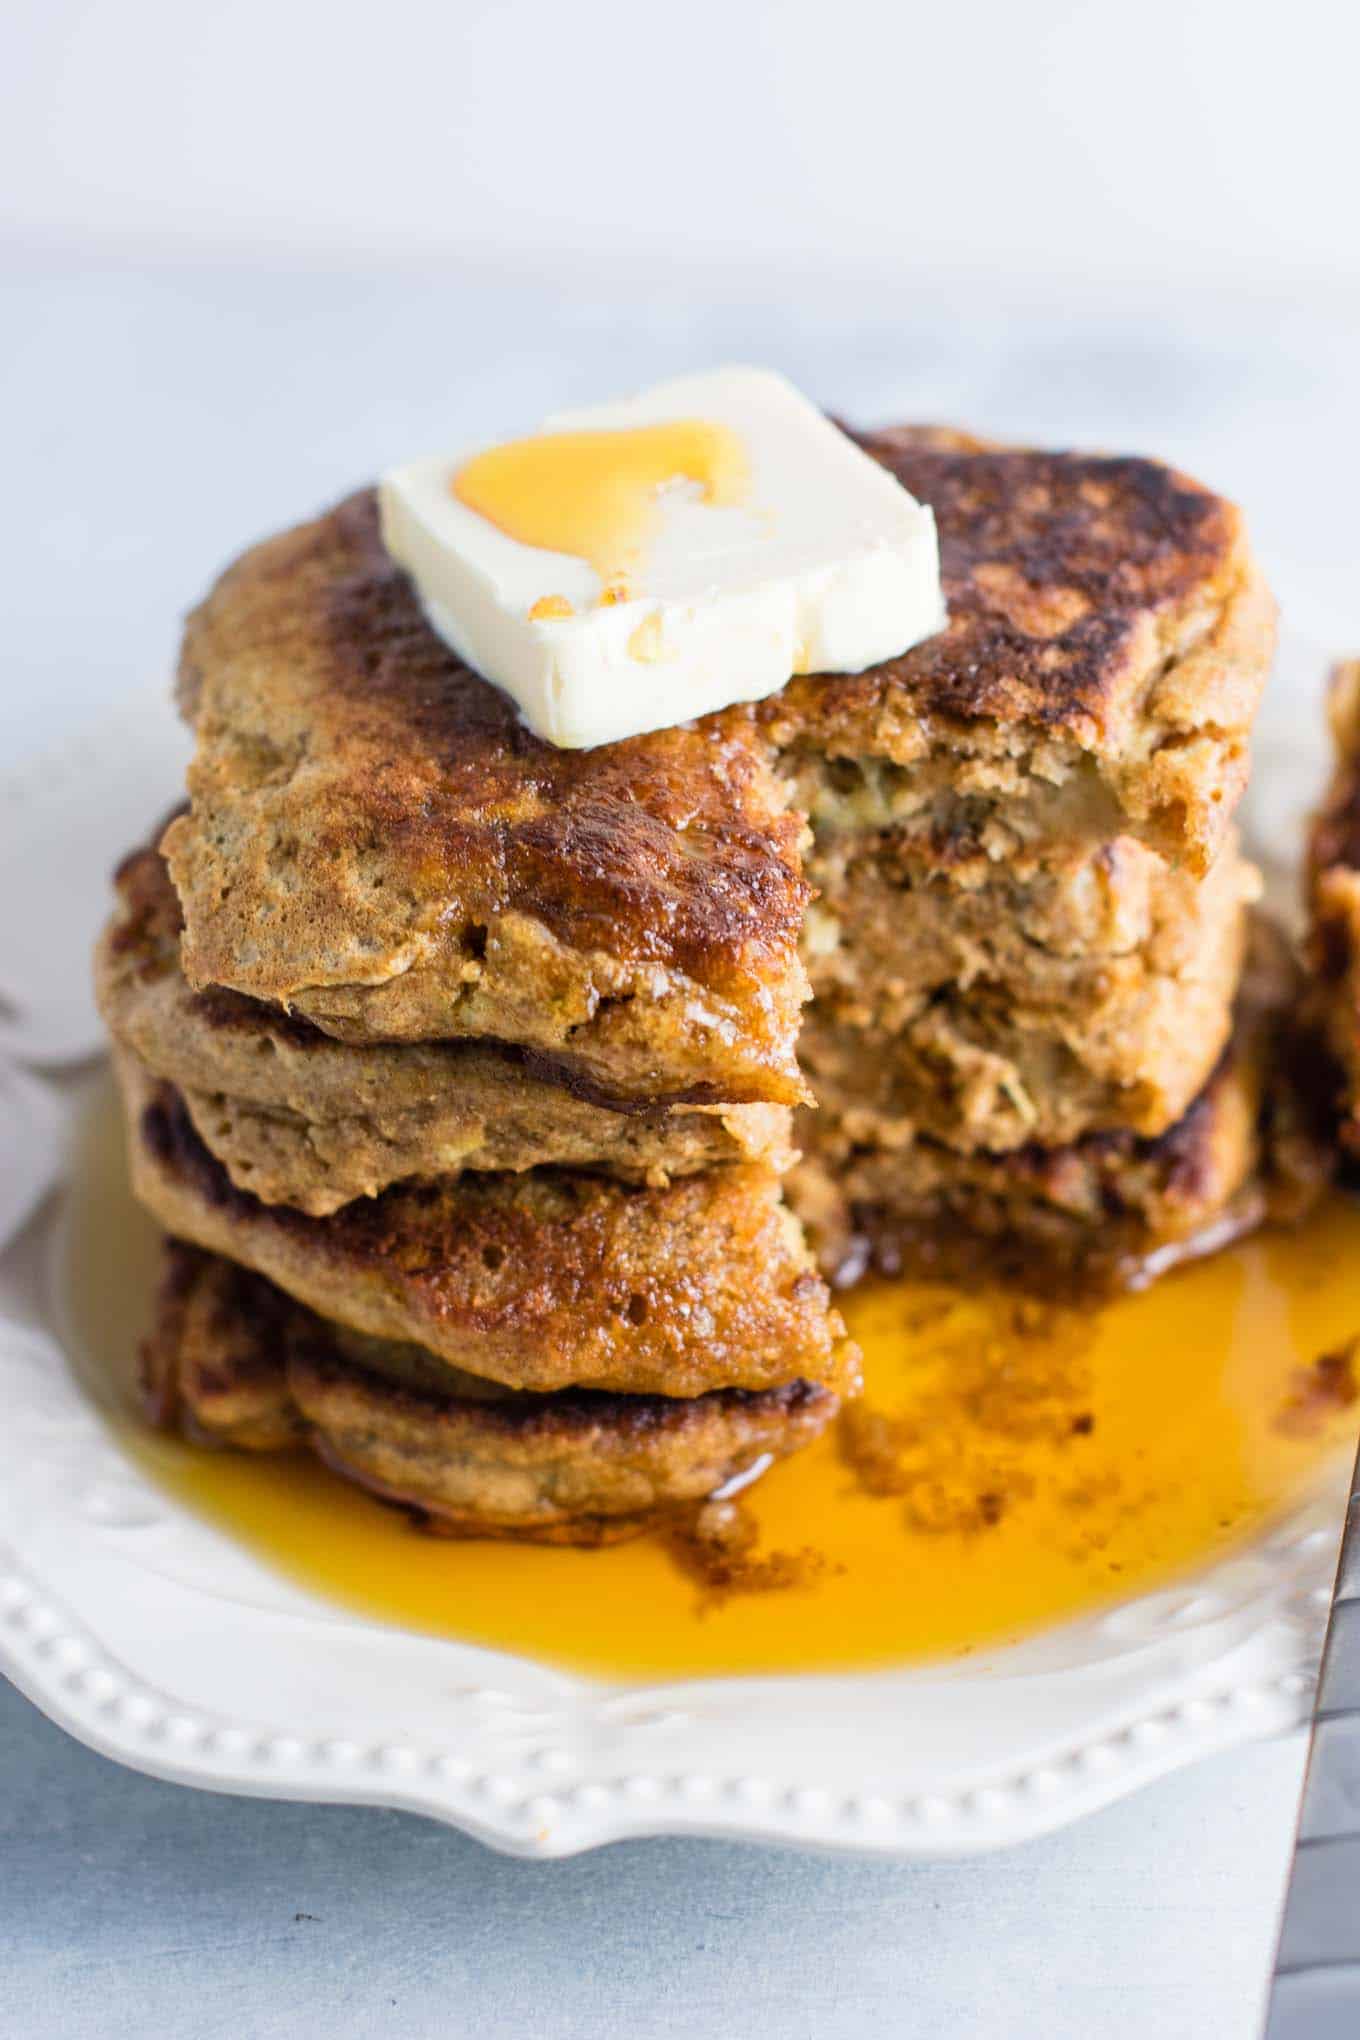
(515,1108)
(1333,881)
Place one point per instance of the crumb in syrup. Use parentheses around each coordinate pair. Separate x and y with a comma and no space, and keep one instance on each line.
(961,1455)
(715,1544)
(1316,1393)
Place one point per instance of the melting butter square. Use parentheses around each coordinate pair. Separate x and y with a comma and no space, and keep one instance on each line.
(648,561)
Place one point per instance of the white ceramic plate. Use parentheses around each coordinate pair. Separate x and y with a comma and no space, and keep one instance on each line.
(162,1643)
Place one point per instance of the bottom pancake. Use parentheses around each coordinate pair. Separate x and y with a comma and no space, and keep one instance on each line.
(233,1360)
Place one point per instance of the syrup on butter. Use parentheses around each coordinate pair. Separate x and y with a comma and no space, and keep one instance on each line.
(637,565)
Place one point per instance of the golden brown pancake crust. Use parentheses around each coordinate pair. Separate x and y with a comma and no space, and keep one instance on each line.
(376,840)
(232,1359)
(548,1280)
(367,813)
(1107,643)
(1055,565)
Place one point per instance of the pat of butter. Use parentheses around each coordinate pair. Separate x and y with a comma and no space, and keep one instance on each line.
(649,561)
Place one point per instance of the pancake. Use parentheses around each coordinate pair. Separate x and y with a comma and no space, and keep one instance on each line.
(548,1280)
(1108,639)
(299,1118)
(1111,1208)
(235,1361)
(375,841)
(1029,1005)
(1333,885)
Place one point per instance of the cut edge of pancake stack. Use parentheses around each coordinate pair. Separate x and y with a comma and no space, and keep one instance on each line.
(1332,879)
(513,1112)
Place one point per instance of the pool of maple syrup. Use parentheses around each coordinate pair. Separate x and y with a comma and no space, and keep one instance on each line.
(1011,1466)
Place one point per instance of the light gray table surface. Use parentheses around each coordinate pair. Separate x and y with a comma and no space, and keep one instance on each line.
(154,418)
(133,1910)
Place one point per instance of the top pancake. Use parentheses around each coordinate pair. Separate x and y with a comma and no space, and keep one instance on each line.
(1110,600)
(376,840)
